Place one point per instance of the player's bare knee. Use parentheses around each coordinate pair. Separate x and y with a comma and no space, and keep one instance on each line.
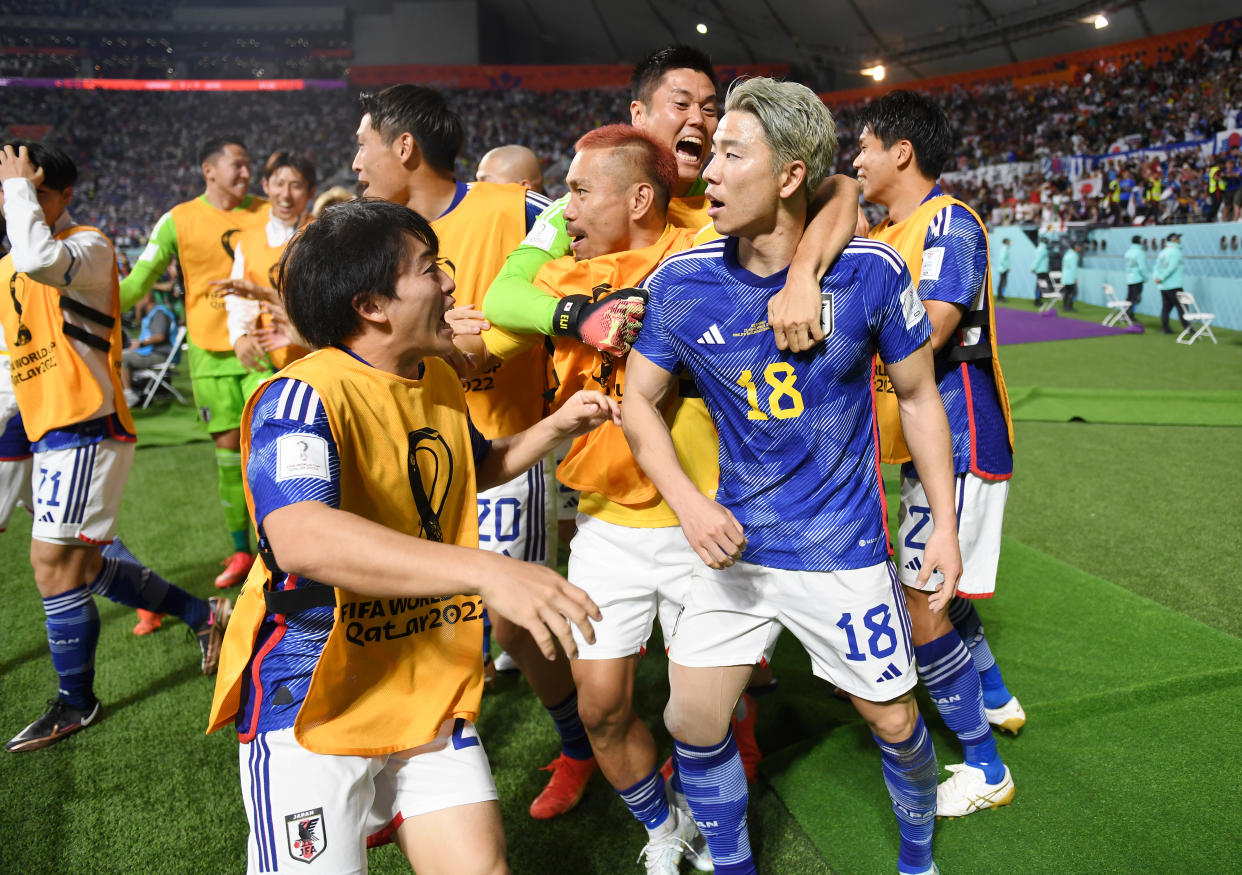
(925,625)
(604,709)
(511,637)
(894,721)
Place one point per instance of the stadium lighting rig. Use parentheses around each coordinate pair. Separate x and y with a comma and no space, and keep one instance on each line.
(876,71)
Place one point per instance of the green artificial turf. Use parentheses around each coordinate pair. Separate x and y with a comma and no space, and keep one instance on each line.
(1128,704)
(1126,406)
(1128,761)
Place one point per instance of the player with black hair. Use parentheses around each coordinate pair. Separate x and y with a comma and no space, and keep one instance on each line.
(62,328)
(905,142)
(289,184)
(361,467)
(201,233)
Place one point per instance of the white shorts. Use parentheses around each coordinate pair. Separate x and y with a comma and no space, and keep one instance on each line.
(634,575)
(14,488)
(512,518)
(310,808)
(853,624)
(980,515)
(77,492)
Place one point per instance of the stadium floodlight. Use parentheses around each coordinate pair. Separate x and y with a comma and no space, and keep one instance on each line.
(1100,21)
(875,71)
(701,27)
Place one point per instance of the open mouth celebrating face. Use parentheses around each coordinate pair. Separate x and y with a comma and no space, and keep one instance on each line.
(689,149)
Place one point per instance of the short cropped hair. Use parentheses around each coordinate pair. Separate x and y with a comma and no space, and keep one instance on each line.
(797,124)
(213,147)
(905,115)
(59,171)
(653,161)
(353,248)
(651,69)
(420,112)
(299,162)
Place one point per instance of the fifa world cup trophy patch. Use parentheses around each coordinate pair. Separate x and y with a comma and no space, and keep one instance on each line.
(306,835)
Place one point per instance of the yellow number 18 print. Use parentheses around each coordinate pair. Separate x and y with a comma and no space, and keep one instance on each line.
(784,401)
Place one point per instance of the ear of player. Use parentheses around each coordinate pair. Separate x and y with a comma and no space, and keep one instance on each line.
(610,325)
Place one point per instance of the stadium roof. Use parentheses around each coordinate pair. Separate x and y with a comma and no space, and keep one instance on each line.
(828,42)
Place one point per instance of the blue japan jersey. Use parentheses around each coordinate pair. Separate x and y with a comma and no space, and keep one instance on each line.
(293,458)
(955,260)
(798,455)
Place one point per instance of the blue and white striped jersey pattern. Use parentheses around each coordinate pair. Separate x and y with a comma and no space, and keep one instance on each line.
(798,458)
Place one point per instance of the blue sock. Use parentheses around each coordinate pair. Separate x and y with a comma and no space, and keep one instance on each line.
(72,633)
(574,741)
(646,800)
(949,674)
(965,619)
(136,586)
(910,771)
(715,786)
(116,549)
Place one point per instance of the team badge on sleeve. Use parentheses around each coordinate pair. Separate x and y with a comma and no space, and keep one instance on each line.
(301,455)
(306,835)
(912,307)
(933,260)
(541,235)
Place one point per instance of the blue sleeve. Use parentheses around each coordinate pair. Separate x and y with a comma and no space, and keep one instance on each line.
(293,456)
(654,340)
(479,445)
(535,204)
(955,258)
(899,321)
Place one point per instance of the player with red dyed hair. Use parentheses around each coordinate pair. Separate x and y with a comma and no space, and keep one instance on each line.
(628,551)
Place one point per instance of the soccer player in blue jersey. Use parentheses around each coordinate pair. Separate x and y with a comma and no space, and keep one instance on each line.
(795,538)
(408,142)
(905,142)
(352,673)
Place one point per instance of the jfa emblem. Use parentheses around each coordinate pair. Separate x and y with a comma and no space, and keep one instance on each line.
(307,838)
(825,317)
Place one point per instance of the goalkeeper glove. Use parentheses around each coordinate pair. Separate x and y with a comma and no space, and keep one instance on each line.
(610,325)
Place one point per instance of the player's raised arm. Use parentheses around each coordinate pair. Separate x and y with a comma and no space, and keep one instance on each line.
(710,528)
(926,429)
(795,312)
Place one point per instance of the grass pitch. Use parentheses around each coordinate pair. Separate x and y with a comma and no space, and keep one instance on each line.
(1116,622)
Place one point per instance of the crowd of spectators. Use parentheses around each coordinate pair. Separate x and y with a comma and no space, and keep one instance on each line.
(32,54)
(137,148)
(129,9)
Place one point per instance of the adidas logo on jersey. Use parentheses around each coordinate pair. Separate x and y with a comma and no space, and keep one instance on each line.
(47,518)
(712,336)
(891,673)
(914,564)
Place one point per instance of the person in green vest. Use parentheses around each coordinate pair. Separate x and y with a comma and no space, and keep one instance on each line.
(1039,267)
(1002,269)
(1069,275)
(1136,272)
(1168,276)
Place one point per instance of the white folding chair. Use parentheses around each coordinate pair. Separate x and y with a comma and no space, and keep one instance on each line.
(1049,297)
(1118,310)
(157,378)
(1199,323)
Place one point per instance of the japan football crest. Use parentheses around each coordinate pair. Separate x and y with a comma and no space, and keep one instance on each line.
(306,835)
(825,314)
